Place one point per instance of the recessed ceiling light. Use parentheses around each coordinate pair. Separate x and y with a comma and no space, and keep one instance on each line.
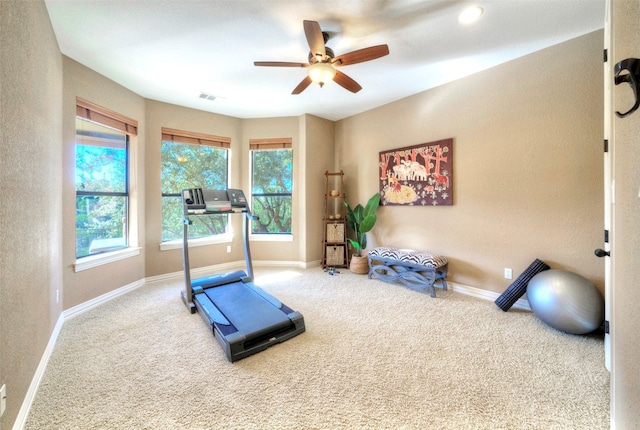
(470,14)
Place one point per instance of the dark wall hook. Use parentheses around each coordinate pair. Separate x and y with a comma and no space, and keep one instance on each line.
(629,71)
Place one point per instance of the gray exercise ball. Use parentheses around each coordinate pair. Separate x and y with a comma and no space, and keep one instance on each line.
(566,301)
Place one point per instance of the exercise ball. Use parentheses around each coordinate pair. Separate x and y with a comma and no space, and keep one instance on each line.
(566,301)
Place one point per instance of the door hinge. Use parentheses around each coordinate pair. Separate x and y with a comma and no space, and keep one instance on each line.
(605,56)
(607,327)
(606,236)
(606,145)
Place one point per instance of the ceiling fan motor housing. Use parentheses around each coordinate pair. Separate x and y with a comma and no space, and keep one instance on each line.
(327,57)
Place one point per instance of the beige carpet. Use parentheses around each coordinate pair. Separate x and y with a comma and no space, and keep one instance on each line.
(374,356)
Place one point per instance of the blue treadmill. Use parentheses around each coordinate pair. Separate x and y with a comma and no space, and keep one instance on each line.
(244,318)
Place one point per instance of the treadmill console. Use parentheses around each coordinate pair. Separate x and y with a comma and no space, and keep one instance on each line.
(237,198)
(199,201)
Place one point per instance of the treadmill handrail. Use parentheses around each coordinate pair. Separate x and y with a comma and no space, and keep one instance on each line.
(245,242)
(194,204)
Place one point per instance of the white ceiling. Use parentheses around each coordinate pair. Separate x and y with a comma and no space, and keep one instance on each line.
(173,50)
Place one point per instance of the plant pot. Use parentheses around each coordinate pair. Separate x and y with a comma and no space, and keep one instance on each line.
(359,265)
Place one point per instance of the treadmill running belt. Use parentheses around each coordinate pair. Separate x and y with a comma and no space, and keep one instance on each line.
(249,312)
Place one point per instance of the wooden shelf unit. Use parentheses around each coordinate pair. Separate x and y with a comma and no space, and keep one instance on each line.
(335,252)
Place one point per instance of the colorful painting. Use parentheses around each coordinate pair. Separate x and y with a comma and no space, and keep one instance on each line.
(419,175)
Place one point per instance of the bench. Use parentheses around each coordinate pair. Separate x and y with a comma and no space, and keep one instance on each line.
(412,268)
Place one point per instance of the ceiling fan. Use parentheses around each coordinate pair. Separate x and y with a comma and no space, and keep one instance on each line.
(322,61)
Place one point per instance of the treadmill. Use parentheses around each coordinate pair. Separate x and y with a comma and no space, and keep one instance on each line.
(244,318)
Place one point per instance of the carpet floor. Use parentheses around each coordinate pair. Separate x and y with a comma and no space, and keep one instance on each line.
(374,356)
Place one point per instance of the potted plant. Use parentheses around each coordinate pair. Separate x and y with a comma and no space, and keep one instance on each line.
(361,220)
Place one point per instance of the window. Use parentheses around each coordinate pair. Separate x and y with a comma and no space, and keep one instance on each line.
(271,185)
(192,160)
(102,179)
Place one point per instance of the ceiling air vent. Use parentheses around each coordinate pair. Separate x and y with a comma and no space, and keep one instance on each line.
(206,96)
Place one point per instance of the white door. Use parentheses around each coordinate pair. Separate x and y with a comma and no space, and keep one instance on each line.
(608,181)
(625,225)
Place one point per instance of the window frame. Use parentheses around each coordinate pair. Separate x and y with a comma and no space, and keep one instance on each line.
(86,110)
(126,194)
(195,138)
(271,144)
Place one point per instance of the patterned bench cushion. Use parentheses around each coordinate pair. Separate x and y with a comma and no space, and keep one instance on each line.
(409,256)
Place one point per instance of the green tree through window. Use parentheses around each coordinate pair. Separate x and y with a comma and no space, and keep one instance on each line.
(187,165)
(272,184)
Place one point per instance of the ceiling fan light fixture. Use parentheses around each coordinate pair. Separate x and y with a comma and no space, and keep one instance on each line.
(321,73)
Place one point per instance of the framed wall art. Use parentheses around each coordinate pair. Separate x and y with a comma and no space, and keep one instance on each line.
(419,175)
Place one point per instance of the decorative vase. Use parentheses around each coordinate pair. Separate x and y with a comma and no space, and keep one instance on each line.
(359,265)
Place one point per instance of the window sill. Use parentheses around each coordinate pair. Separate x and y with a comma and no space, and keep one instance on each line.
(271,238)
(204,241)
(91,261)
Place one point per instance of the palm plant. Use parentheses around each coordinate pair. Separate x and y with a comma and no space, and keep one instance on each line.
(361,220)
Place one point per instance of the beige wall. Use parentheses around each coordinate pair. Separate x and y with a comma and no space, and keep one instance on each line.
(171,116)
(319,153)
(527,176)
(527,170)
(241,131)
(30,194)
(80,81)
(267,128)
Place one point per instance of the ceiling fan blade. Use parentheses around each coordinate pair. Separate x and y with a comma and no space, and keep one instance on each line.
(302,85)
(279,64)
(361,55)
(314,37)
(346,82)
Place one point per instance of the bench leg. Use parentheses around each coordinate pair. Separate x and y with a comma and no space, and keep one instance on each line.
(441,275)
(411,277)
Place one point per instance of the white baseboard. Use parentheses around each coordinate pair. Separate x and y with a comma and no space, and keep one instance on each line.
(297,264)
(486,295)
(21,419)
(236,265)
(88,305)
(23,413)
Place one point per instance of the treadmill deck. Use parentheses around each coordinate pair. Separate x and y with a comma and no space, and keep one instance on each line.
(246,319)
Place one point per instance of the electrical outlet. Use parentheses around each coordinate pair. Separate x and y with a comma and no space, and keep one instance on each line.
(57,296)
(3,399)
(228,248)
(508,273)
